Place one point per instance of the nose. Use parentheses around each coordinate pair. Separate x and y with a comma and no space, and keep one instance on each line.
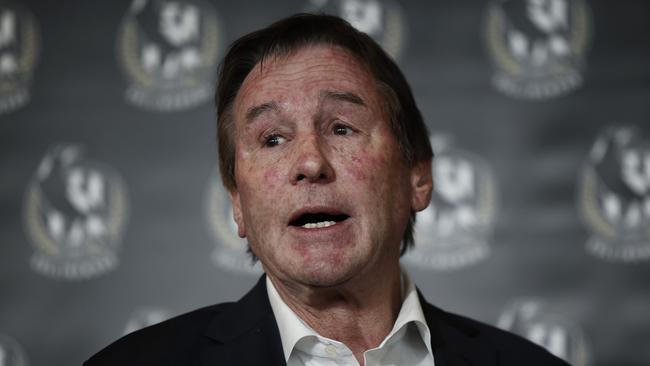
(311,163)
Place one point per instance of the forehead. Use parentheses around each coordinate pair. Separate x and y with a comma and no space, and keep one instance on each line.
(303,75)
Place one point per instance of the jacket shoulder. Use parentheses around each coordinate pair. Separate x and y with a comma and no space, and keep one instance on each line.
(511,349)
(172,342)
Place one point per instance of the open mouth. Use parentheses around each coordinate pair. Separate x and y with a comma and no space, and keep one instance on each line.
(317,220)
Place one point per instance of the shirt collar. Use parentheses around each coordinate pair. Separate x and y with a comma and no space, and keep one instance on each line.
(293,329)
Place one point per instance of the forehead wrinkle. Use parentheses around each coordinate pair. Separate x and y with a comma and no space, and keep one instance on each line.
(278,74)
(253,112)
(335,96)
(286,70)
(342,96)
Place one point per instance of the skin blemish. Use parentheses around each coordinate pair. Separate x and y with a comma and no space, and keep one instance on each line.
(356,173)
(271,176)
(356,170)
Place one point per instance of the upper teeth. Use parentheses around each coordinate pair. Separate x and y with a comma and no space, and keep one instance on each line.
(315,225)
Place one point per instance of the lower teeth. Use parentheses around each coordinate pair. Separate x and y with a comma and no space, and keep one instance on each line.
(318,224)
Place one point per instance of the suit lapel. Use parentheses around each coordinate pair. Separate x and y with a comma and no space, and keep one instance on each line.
(455,344)
(245,333)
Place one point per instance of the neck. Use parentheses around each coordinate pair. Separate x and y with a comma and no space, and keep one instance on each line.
(359,313)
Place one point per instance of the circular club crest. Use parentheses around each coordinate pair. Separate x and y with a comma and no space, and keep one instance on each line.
(231,251)
(11,354)
(453,231)
(169,51)
(537,46)
(533,320)
(144,317)
(19,43)
(74,214)
(614,195)
(383,20)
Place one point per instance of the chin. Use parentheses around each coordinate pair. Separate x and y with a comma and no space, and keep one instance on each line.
(325,274)
(324,281)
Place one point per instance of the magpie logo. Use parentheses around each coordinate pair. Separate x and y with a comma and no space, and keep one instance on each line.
(537,47)
(230,251)
(11,354)
(454,231)
(614,195)
(533,319)
(383,20)
(169,51)
(19,47)
(75,212)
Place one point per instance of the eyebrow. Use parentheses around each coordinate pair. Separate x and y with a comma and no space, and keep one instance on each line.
(343,97)
(254,112)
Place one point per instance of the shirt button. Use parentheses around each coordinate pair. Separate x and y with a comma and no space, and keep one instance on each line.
(330,350)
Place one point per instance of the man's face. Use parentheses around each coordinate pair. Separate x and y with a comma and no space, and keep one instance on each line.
(323,191)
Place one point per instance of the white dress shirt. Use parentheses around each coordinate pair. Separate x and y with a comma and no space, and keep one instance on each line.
(407,344)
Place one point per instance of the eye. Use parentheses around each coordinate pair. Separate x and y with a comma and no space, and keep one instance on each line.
(274,140)
(342,130)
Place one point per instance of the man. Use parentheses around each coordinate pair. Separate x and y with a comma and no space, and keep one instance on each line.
(327,159)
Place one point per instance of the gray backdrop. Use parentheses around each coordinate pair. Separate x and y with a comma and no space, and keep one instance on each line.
(112,217)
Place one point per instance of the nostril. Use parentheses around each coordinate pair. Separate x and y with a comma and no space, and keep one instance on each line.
(312,168)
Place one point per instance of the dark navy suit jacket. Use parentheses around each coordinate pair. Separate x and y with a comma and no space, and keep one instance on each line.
(245,333)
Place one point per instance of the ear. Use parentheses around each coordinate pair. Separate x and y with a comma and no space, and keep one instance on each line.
(237,213)
(421,185)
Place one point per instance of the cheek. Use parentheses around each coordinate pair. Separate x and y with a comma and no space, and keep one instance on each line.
(271,177)
(256,170)
(363,166)
(380,175)
(260,188)
(270,174)
(356,168)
